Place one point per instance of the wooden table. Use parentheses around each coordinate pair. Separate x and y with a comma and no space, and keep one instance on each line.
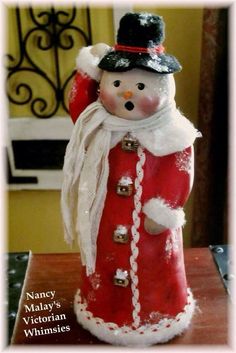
(58,272)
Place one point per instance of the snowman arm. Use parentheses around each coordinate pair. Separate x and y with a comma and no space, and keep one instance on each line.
(83,92)
(164,214)
(166,208)
(86,80)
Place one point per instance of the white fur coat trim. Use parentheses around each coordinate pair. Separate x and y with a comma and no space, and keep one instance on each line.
(162,213)
(174,132)
(143,336)
(88,63)
(176,135)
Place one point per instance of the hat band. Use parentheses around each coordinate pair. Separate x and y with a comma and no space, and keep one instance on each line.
(159,49)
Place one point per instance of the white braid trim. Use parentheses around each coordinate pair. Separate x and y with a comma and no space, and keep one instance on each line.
(135,236)
(145,335)
(162,213)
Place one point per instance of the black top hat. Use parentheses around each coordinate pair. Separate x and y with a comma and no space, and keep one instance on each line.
(139,45)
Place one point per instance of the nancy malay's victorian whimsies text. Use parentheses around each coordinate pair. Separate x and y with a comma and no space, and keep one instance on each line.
(40,309)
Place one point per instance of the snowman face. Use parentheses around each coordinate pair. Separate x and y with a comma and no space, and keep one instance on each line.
(136,94)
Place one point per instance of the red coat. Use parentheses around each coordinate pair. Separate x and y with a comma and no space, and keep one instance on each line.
(151,287)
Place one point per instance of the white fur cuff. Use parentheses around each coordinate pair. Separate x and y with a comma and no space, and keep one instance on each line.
(88,62)
(162,213)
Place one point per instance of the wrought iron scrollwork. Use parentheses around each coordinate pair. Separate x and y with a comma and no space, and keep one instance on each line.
(53,30)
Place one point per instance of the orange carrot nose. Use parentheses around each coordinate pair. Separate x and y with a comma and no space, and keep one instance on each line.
(128,94)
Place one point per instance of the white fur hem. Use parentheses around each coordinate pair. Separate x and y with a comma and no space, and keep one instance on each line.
(162,213)
(88,63)
(143,336)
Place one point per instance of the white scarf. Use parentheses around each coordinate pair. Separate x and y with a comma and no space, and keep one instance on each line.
(86,167)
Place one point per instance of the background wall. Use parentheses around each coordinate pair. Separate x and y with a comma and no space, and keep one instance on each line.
(34,216)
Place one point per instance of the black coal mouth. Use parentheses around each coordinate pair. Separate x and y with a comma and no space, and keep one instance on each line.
(129,105)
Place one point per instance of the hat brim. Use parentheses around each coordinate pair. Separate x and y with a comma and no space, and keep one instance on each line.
(120,61)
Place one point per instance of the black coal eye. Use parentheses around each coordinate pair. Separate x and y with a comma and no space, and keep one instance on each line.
(140,86)
(116,83)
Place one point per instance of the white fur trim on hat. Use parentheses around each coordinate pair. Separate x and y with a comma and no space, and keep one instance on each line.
(87,60)
(144,335)
(162,213)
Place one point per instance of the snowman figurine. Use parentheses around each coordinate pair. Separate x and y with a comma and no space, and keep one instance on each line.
(128,172)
